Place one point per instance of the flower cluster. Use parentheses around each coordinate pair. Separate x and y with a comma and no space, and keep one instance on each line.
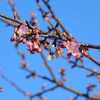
(29,36)
(34,38)
(72,47)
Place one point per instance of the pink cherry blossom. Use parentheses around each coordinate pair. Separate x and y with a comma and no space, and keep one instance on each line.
(23,29)
(72,47)
(33,46)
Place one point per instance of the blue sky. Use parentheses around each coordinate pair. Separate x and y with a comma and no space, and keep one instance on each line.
(82,20)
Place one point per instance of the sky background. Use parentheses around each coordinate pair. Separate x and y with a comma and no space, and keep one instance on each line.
(82,20)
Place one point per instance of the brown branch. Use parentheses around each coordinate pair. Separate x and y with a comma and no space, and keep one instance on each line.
(10,21)
(47,66)
(92,71)
(45,91)
(90,46)
(91,58)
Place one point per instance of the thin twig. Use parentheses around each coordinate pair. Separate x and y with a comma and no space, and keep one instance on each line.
(47,66)
(45,91)
(13,8)
(10,21)
(56,18)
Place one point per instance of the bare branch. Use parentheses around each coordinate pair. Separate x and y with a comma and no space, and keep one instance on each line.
(13,8)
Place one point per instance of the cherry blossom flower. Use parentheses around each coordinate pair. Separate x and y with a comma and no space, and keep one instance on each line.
(20,32)
(72,47)
(33,46)
(23,29)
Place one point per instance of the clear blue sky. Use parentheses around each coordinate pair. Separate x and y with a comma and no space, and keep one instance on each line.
(82,20)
